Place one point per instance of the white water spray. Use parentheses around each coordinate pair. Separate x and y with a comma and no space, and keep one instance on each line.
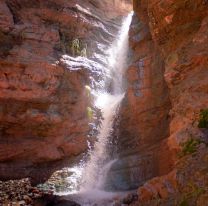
(99,161)
(93,175)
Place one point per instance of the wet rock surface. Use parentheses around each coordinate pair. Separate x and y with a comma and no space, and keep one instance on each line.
(144,115)
(61,182)
(49,200)
(19,193)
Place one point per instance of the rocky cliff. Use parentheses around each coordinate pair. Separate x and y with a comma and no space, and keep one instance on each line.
(43,100)
(163,121)
(162,128)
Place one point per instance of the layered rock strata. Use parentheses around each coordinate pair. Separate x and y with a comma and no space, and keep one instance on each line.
(167,89)
(163,119)
(43,99)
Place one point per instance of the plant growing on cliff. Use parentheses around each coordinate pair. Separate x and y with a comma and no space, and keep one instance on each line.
(88,90)
(89,113)
(75,47)
(83,52)
(192,191)
(203,119)
(189,147)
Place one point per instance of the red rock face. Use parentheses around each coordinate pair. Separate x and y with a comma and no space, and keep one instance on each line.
(43,116)
(170,46)
(144,118)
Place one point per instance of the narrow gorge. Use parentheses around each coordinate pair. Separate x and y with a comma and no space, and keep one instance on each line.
(104,103)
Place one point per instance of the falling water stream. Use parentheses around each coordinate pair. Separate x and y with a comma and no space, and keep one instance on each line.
(108,103)
(93,174)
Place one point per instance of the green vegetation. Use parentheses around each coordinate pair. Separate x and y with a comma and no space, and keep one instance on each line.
(88,90)
(203,119)
(77,49)
(193,192)
(198,191)
(89,113)
(83,52)
(184,203)
(190,147)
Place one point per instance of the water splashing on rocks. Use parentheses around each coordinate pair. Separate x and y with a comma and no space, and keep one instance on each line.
(107,99)
(108,103)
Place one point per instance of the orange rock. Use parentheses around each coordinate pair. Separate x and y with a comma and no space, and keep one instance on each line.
(44,124)
(159,187)
(167,88)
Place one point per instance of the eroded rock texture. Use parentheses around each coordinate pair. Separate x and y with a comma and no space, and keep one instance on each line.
(167,88)
(144,116)
(168,82)
(43,118)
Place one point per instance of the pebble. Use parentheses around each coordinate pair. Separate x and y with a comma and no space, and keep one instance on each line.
(21,193)
(18,193)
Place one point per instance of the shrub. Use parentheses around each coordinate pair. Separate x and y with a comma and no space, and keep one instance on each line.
(75,47)
(203,119)
(190,146)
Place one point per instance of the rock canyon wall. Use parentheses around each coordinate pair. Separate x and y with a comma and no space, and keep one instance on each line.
(43,100)
(162,125)
(161,138)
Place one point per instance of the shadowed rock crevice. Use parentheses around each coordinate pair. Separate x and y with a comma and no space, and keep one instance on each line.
(166,79)
(144,116)
(175,52)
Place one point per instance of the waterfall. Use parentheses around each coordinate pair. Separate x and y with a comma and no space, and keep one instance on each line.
(88,180)
(99,161)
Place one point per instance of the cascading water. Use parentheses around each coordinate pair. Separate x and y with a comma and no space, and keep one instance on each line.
(99,163)
(95,171)
(108,103)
